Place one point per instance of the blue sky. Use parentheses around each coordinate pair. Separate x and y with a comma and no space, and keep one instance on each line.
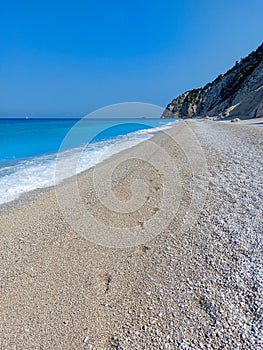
(67,58)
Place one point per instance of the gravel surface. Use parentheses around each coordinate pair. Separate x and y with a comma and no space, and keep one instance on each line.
(195,285)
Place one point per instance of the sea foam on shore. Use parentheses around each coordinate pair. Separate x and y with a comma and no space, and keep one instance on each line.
(39,172)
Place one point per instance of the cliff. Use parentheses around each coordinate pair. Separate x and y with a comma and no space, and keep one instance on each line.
(238,92)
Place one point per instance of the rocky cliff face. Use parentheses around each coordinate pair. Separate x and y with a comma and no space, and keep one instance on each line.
(238,92)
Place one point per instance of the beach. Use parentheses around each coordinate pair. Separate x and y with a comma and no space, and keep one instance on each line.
(191,279)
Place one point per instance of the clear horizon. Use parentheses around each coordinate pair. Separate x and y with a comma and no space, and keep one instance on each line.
(67,59)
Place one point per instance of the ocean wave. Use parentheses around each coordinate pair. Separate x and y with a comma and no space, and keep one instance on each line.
(39,172)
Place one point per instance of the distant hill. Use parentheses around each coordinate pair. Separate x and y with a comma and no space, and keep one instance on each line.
(238,92)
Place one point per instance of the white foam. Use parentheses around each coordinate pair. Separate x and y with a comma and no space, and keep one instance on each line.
(39,172)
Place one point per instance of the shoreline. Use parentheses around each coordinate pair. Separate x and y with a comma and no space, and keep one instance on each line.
(27,196)
(30,195)
(182,287)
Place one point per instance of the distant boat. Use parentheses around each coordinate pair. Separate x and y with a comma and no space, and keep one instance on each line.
(27,117)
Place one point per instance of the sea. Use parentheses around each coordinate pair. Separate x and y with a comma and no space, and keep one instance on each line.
(29,147)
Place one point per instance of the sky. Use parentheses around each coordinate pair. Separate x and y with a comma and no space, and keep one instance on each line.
(69,58)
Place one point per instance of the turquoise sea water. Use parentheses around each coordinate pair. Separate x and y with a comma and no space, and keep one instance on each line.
(20,138)
(28,148)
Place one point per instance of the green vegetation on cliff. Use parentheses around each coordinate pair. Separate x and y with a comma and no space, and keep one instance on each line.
(224,93)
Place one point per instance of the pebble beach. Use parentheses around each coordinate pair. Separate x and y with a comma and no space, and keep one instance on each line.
(196,283)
